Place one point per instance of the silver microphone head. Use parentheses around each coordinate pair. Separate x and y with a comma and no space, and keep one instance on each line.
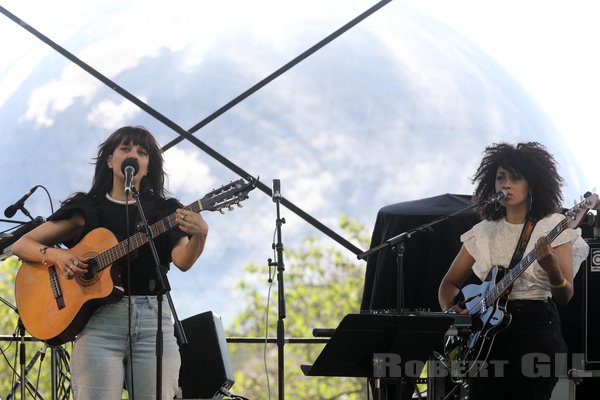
(132,164)
(130,168)
(500,195)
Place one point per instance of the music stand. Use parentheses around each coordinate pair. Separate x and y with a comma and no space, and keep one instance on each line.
(363,339)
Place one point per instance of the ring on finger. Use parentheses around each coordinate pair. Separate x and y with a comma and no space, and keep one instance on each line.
(183,216)
(75,263)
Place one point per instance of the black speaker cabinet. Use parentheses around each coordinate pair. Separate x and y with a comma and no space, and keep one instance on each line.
(580,323)
(205,362)
(591,307)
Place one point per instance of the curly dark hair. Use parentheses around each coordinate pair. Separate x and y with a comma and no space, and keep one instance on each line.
(532,161)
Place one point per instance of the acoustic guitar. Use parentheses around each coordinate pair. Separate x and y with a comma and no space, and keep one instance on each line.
(55,309)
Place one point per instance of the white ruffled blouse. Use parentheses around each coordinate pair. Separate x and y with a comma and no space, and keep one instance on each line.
(493,243)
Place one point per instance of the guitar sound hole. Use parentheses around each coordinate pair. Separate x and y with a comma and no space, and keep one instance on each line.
(90,277)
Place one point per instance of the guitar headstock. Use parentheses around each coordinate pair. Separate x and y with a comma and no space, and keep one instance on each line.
(227,196)
(577,213)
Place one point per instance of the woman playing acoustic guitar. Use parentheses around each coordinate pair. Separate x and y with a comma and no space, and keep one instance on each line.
(117,344)
(522,357)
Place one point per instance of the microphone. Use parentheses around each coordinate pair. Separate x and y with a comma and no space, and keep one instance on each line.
(276,189)
(12,209)
(498,196)
(130,169)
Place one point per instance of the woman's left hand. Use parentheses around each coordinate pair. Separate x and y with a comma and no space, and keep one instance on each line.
(191,223)
(545,255)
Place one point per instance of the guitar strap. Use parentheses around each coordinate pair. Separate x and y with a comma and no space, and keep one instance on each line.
(521,245)
(523,240)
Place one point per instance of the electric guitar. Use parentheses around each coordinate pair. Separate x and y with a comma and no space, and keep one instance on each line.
(486,303)
(55,309)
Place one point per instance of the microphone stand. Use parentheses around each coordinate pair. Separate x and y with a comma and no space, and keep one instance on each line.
(162,288)
(39,355)
(26,212)
(7,239)
(22,355)
(280,290)
(397,244)
(5,243)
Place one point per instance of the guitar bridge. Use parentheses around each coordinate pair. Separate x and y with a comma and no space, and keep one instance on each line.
(56,290)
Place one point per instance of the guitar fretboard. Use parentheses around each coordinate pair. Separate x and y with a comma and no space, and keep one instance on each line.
(139,239)
(517,270)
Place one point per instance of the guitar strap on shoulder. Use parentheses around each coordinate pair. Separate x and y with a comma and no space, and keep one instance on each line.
(523,240)
(521,245)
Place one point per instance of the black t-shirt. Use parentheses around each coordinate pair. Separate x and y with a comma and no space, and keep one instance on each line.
(111,215)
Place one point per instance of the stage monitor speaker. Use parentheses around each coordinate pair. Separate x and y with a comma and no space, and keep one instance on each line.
(591,304)
(205,363)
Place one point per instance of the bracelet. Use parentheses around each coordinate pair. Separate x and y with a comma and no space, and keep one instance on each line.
(559,285)
(43,253)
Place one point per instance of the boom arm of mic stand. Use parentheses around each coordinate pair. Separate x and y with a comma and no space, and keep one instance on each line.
(11,221)
(396,243)
(425,227)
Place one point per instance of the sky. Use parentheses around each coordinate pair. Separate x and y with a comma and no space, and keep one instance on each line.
(548,47)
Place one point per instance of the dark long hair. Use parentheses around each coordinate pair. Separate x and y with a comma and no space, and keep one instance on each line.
(531,161)
(151,184)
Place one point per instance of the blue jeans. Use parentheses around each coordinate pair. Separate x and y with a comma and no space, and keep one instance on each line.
(101,363)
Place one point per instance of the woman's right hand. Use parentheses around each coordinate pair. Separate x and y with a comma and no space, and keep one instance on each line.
(70,264)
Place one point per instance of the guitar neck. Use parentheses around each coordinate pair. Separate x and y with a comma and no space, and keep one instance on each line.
(521,266)
(139,239)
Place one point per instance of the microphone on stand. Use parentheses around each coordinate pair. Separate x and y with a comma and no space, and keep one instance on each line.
(501,195)
(130,168)
(12,209)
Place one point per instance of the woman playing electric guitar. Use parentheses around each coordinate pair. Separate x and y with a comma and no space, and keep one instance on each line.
(521,356)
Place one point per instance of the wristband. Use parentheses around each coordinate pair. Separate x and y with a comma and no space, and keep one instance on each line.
(559,285)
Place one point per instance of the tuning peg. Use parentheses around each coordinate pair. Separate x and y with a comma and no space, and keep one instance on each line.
(230,208)
(221,211)
(239,204)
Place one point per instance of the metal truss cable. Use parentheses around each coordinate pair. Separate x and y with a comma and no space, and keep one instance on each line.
(187,135)
(280,71)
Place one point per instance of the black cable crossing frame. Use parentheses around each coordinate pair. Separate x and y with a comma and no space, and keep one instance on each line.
(187,134)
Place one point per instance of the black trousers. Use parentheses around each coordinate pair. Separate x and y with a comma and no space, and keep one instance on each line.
(526,358)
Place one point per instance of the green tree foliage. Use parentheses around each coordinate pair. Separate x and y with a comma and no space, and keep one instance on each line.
(322,285)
